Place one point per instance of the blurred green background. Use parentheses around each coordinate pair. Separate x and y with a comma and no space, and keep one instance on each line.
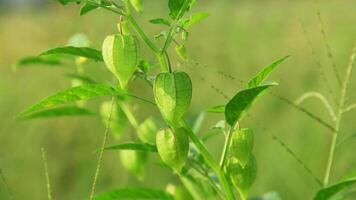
(238,39)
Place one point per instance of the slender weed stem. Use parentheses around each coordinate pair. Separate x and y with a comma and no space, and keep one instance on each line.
(48,182)
(317,62)
(7,188)
(328,49)
(100,159)
(339,117)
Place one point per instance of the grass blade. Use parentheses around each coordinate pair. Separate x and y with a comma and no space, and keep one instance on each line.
(83,92)
(319,96)
(60,112)
(133,146)
(76,51)
(135,193)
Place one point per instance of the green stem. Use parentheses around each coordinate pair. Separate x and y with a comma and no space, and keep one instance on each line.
(210,161)
(173,26)
(338,118)
(225,149)
(130,116)
(142,34)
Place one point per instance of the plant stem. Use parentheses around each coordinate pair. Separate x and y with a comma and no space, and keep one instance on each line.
(100,159)
(130,116)
(225,149)
(339,117)
(44,160)
(210,161)
(6,185)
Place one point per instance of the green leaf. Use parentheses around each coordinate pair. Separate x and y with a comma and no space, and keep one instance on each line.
(242,101)
(192,187)
(241,145)
(83,78)
(120,53)
(135,193)
(160,21)
(137,5)
(87,7)
(147,130)
(195,18)
(134,162)
(133,146)
(262,75)
(36,60)
(65,2)
(76,51)
(179,7)
(181,52)
(83,92)
(119,122)
(173,94)
(330,191)
(60,112)
(217,109)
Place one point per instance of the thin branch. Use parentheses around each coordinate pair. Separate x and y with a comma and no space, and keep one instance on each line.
(339,116)
(100,159)
(319,96)
(305,111)
(328,49)
(48,182)
(7,188)
(296,157)
(317,62)
(349,108)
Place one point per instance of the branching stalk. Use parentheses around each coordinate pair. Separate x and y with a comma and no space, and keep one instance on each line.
(339,117)
(11,197)
(210,161)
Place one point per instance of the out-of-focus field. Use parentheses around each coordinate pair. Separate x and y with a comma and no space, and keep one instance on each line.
(239,38)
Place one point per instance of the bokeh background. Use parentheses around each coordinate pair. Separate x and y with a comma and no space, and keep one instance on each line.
(238,39)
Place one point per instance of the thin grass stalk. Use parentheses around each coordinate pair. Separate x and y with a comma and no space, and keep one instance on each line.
(7,188)
(100,159)
(339,117)
(317,62)
(48,181)
(327,46)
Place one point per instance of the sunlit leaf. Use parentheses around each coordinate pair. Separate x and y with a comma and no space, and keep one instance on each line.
(262,75)
(147,130)
(137,5)
(135,193)
(133,146)
(179,7)
(242,101)
(134,162)
(64,2)
(60,112)
(76,51)
(87,7)
(217,109)
(330,191)
(160,21)
(195,18)
(83,92)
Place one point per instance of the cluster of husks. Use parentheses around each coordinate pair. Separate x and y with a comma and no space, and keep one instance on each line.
(242,165)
